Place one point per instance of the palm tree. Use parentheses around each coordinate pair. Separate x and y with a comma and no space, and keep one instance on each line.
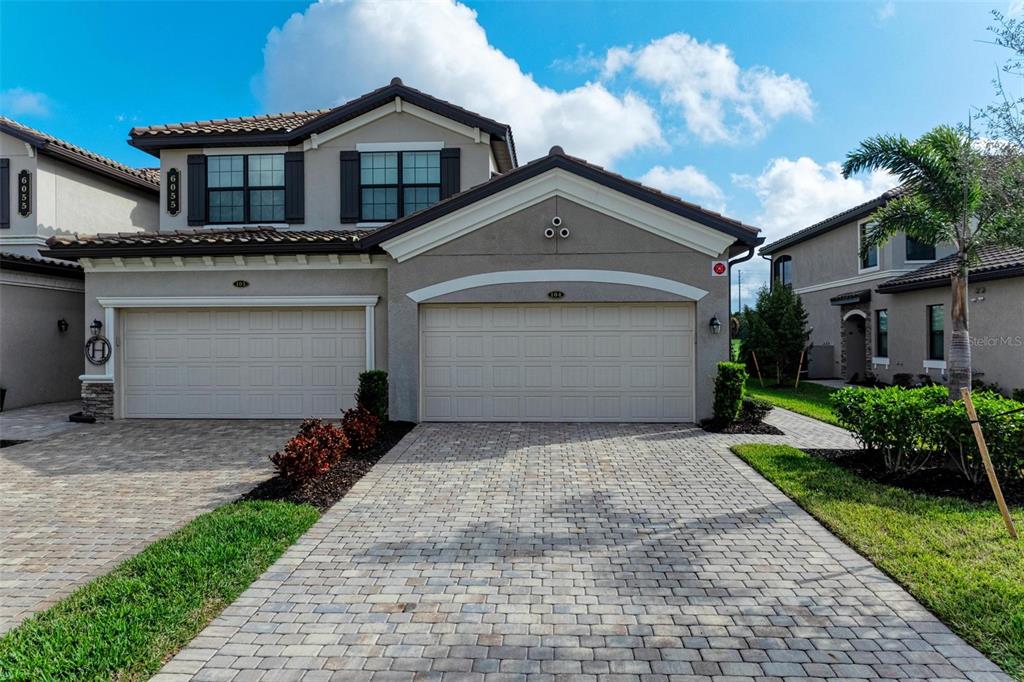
(954,190)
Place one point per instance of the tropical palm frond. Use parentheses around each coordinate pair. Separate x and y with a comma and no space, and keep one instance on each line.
(911,214)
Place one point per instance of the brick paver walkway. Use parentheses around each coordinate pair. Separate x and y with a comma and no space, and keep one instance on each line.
(38,421)
(74,505)
(574,551)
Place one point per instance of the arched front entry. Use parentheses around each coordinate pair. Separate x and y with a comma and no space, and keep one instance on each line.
(854,348)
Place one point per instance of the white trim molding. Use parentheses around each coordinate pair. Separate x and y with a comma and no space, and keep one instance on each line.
(331,261)
(397,106)
(935,364)
(238,301)
(853,313)
(38,281)
(687,291)
(22,240)
(560,183)
(399,146)
(883,274)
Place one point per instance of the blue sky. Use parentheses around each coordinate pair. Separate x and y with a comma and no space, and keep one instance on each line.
(743,107)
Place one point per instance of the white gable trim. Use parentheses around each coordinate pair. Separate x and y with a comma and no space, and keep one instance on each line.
(398,106)
(399,146)
(557,182)
(687,291)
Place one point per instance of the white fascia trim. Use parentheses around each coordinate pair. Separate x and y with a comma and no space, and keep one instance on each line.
(238,301)
(23,240)
(880,362)
(852,280)
(397,107)
(528,276)
(935,364)
(399,146)
(234,263)
(36,281)
(557,182)
(852,313)
(96,378)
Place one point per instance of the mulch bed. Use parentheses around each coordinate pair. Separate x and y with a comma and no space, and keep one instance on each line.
(323,491)
(938,481)
(762,428)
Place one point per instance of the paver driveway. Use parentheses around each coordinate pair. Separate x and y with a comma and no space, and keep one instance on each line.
(554,550)
(75,504)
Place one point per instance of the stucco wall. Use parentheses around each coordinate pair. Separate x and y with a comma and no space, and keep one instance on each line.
(38,363)
(21,226)
(516,242)
(323,170)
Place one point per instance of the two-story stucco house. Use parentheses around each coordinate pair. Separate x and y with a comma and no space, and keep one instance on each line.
(887,311)
(397,231)
(51,187)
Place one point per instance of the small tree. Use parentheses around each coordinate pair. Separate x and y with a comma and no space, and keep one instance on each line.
(776,329)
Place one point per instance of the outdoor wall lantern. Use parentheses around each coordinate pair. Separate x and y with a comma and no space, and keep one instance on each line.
(715,324)
(62,325)
(95,327)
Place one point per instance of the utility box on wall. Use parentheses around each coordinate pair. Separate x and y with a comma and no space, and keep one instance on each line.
(821,362)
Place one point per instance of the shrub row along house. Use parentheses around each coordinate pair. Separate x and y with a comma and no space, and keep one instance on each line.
(885,312)
(50,187)
(398,231)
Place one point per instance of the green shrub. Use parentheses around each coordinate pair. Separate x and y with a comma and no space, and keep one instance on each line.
(754,410)
(950,430)
(891,422)
(1018,395)
(729,390)
(373,392)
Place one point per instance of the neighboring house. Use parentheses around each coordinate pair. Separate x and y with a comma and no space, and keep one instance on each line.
(397,231)
(50,187)
(887,312)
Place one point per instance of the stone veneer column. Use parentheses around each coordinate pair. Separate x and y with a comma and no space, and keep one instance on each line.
(98,400)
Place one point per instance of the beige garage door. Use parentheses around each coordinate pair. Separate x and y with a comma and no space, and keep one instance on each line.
(557,362)
(242,363)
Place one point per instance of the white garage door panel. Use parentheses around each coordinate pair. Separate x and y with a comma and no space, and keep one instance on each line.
(236,364)
(557,362)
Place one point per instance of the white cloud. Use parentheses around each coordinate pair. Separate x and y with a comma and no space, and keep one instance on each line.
(797,193)
(1016,9)
(335,51)
(688,183)
(22,102)
(719,100)
(886,11)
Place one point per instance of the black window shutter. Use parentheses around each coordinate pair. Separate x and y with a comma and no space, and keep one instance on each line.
(449,171)
(294,188)
(196,189)
(349,187)
(5,194)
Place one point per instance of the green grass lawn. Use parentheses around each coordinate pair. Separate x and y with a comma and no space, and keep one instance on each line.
(809,399)
(124,625)
(955,557)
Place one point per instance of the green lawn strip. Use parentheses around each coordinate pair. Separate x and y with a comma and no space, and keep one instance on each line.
(955,557)
(808,399)
(125,624)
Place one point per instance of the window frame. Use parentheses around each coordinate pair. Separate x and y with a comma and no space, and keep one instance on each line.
(779,270)
(929,317)
(246,189)
(861,267)
(879,314)
(400,186)
(906,250)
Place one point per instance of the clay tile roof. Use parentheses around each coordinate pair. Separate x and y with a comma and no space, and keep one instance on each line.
(994,262)
(263,123)
(39,264)
(146,178)
(235,240)
(839,219)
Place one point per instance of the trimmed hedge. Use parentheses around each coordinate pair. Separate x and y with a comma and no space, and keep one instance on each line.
(908,426)
(729,384)
(754,410)
(373,392)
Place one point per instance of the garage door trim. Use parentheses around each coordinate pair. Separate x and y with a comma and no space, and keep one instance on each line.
(111,327)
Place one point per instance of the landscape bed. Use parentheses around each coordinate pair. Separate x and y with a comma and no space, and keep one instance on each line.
(952,555)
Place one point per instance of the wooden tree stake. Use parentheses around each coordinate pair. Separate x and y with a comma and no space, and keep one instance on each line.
(799,368)
(989,469)
(758,368)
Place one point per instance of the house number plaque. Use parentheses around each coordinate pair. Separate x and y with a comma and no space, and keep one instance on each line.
(24,193)
(173,191)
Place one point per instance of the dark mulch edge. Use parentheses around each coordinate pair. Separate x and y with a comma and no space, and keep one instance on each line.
(712,426)
(324,491)
(936,480)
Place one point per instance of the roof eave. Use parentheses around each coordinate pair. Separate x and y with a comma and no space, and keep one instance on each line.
(826,226)
(73,252)
(944,281)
